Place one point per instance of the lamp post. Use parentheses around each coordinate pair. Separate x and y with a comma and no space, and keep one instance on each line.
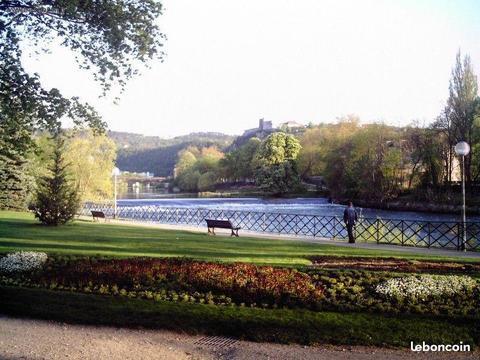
(463,149)
(115,173)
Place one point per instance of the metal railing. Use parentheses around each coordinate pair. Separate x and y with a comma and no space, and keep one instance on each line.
(382,231)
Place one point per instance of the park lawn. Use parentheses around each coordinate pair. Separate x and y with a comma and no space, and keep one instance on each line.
(20,231)
(279,325)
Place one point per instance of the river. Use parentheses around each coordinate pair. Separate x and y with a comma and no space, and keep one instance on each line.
(306,206)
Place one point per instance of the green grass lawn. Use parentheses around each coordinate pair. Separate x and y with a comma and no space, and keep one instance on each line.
(20,231)
(281,325)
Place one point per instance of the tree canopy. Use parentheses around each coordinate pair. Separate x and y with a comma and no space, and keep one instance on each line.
(111,38)
(108,37)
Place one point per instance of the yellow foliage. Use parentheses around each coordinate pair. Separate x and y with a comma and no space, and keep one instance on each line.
(91,160)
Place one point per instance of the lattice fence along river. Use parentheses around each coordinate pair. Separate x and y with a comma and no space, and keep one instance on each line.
(382,231)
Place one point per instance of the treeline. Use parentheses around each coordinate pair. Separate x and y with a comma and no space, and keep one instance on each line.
(271,164)
(87,159)
(140,153)
(373,162)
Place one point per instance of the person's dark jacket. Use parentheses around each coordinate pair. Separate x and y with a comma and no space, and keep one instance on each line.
(350,216)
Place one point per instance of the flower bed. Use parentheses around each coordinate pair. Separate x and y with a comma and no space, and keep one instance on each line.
(22,261)
(394,264)
(425,287)
(258,286)
(356,290)
(185,280)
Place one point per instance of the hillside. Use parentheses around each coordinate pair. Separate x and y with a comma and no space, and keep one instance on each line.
(142,153)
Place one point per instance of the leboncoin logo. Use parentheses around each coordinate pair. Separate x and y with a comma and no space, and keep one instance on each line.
(461,347)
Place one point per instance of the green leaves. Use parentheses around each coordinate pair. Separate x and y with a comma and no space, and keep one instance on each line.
(56,200)
(277,171)
(110,37)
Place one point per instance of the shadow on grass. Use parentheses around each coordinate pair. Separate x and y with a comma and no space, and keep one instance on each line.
(284,326)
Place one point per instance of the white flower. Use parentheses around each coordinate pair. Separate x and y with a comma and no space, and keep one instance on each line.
(423,286)
(22,261)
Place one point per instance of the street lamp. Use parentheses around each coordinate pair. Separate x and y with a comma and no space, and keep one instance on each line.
(463,149)
(115,172)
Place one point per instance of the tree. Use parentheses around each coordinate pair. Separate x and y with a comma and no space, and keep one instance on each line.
(14,180)
(239,165)
(198,169)
(278,179)
(207,181)
(369,164)
(109,37)
(186,160)
(457,120)
(278,148)
(56,199)
(92,159)
(188,181)
(277,171)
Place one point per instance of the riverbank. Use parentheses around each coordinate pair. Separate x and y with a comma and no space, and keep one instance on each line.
(417,206)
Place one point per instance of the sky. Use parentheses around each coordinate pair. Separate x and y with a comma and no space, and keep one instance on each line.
(230,63)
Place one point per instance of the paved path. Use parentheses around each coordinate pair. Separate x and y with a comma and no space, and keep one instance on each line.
(35,340)
(326,241)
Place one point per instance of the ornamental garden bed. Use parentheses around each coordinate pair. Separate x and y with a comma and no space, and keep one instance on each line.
(394,264)
(247,285)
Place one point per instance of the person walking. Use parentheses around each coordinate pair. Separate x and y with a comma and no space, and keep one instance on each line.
(350,218)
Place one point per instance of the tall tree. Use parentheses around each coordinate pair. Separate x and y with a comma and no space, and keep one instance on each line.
(239,164)
(276,157)
(57,200)
(91,159)
(458,118)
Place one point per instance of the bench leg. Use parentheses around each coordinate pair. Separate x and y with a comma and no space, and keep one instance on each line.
(234,233)
(211,231)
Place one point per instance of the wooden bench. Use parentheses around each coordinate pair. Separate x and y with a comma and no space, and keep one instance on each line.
(221,224)
(98,215)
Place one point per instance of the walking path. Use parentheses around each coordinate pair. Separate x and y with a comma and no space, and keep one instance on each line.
(36,339)
(317,240)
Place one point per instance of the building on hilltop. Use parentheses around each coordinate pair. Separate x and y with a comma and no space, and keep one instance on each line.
(264,125)
(291,125)
(264,128)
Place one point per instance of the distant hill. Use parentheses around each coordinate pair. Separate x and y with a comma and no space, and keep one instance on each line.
(142,153)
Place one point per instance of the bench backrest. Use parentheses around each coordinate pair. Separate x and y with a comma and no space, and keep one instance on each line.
(225,224)
(99,214)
